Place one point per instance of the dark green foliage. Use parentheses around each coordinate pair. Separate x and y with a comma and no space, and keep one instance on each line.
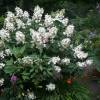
(74,8)
(1,21)
(65,91)
(10,4)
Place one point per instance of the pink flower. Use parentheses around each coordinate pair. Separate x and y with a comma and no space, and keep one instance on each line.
(13,79)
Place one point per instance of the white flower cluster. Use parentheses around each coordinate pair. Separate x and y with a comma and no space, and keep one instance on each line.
(25,15)
(55,60)
(36,37)
(57,69)
(48,20)
(38,12)
(20,37)
(9,22)
(27,60)
(86,63)
(2,55)
(41,36)
(19,12)
(46,31)
(4,34)
(65,42)
(69,30)
(13,22)
(50,87)
(66,61)
(8,52)
(31,95)
(20,24)
(82,55)
(1,81)
(59,16)
(2,65)
(79,53)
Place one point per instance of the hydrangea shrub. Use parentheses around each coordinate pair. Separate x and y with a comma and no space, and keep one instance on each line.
(39,55)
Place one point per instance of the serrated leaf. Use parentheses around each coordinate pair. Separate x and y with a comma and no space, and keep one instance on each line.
(10,69)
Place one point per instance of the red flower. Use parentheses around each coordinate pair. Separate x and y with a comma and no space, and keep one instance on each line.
(69,81)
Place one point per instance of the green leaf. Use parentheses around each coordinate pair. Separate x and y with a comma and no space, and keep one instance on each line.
(25,77)
(9,62)
(22,50)
(18,51)
(10,69)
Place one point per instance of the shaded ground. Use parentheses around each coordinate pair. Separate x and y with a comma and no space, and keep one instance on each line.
(93,85)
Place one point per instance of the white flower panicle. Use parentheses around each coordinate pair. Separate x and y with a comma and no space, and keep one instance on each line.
(1,81)
(20,24)
(40,37)
(69,31)
(65,42)
(20,37)
(81,64)
(60,17)
(50,87)
(9,21)
(52,32)
(42,30)
(60,14)
(9,26)
(8,52)
(2,65)
(65,21)
(89,62)
(78,48)
(25,15)
(34,34)
(65,61)
(2,55)
(48,20)
(27,60)
(19,12)
(31,95)
(54,60)
(79,53)
(36,37)
(86,63)
(38,12)
(10,18)
(4,35)
(57,69)
(10,14)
